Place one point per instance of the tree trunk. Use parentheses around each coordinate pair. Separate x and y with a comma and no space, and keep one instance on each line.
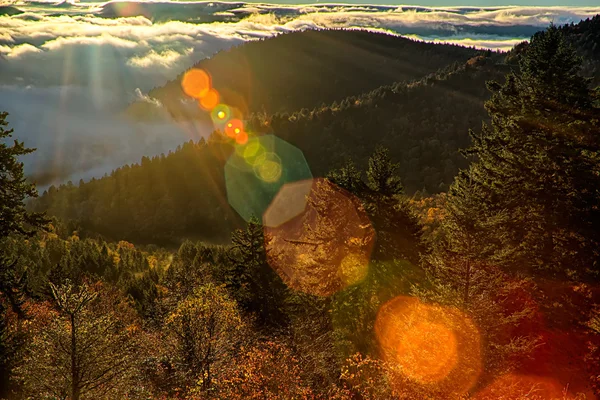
(74,367)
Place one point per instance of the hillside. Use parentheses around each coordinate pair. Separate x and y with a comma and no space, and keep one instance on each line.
(9,10)
(424,123)
(585,36)
(144,202)
(303,69)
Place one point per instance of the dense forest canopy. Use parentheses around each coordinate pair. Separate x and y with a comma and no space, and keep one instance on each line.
(398,271)
(445,104)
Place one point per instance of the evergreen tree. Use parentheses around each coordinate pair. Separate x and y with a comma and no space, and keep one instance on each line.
(14,220)
(252,282)
(461,276)
(536,164)
(348,177)
(382,173)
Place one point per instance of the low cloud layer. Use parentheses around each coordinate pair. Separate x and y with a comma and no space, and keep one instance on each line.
(76,139)
(67,70)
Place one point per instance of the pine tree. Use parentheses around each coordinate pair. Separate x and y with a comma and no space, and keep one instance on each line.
(461,276)
(14,220)
(536,165)
(348,177)
(382,173)
(252,282)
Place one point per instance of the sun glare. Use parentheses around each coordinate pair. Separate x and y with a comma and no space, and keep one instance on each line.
(196,83)
(429,344)
(318,237)
(210,101)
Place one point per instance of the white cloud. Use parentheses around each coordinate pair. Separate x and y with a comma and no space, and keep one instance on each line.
(66,73)
(76,139)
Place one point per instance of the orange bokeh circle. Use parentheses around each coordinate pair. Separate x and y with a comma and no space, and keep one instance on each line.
(429,344)
(196,83)
(210,100)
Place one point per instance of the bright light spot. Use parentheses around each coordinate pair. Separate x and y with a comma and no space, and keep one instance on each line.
(196,83)
(210,100)
(353,269)
(428,343)
(268,167)
(242,138)
(233,128)
(427,352)
(220,114)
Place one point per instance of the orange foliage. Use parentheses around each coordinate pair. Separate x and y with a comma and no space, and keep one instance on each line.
(266,371)
(517,387)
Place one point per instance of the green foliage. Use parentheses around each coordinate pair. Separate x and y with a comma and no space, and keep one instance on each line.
(14,219)
(382,174)
(347,177)
(255,286)
(218,322)
(537,159)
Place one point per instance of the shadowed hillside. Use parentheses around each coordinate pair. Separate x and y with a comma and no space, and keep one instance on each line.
(423,123)
(585,37)
(303,69)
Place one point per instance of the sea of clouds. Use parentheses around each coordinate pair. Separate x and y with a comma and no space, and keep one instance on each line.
(68,70)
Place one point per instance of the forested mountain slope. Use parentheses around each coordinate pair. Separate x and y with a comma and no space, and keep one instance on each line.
(183,194)
(424,123)
(304,69)
(585,37)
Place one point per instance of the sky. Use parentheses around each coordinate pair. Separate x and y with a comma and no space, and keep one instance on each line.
(68,71)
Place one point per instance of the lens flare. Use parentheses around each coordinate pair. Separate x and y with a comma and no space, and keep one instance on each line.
(289,202)
(353,269)
(220,114)
(253,152)
(210,100)
(196,83)
(320,242)
(257,170)
(242,138)
(429,344)
(233,128)
(268,168)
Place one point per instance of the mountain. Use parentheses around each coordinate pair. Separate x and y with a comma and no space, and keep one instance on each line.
(9,10)
(423,122)
(585,36)
(302,69)
(182,194)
